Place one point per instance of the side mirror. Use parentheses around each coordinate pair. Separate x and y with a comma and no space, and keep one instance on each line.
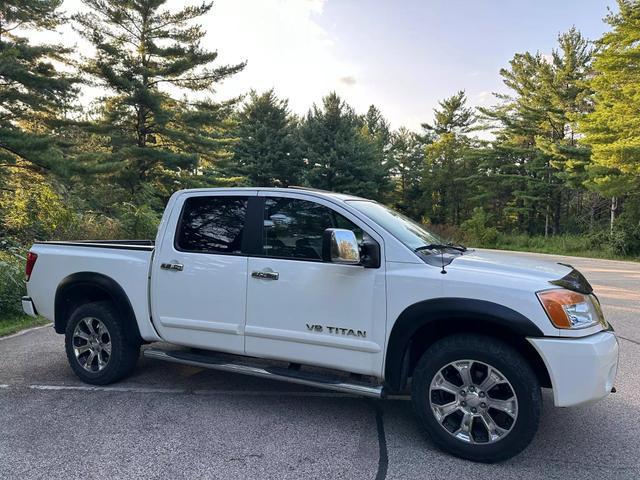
(340,246)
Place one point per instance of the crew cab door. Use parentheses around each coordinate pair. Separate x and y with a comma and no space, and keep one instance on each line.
(199,275)
(302,309)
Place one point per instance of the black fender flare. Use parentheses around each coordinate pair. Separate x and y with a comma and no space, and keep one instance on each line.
(95,282)
(489,316)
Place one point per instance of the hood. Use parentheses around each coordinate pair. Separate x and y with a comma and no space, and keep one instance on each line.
(510,265)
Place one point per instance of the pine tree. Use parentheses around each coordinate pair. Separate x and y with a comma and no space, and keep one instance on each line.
(453,116)
(446,164)
(406,157)
(339,156)
(376,129)
(612,130)
(143,53)
(33,91)
(536,145)
(267,152)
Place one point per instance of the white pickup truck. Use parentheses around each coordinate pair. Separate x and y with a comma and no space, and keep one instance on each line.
(337,292)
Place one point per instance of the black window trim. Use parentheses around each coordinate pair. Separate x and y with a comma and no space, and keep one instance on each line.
(245,239)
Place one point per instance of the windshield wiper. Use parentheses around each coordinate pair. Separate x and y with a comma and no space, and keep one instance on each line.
(457,246)
(437,246)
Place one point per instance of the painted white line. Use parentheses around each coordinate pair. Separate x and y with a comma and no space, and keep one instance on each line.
(23,332)
(4,386)
(204,392)
(88,388)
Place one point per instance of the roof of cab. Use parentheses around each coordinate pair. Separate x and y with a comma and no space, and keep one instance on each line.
(315,191)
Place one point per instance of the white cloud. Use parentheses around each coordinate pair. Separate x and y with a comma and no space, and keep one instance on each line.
(483,98)
(285,46)
(286,49)
(547,57)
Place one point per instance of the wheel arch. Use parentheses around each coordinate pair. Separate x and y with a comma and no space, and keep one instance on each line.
(85,287)
(423,323)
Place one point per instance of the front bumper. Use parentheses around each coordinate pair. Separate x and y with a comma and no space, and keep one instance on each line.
(28,307)
(582,370)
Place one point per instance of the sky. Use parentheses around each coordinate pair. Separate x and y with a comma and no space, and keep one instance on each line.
(403,56)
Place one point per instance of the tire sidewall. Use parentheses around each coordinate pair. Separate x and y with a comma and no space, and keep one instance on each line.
(510,364)
(120,346)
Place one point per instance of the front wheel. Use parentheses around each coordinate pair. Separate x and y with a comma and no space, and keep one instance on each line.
(477,397)
(98,349)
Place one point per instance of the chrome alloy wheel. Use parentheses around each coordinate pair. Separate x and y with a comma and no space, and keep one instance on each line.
(92,344)
(473,401)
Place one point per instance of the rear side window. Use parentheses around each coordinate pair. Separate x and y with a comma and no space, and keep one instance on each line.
(212,224)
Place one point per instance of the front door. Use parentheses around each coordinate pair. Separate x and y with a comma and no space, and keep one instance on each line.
(302,309)
(199,277)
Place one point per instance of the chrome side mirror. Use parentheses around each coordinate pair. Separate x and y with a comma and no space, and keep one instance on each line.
(340,246)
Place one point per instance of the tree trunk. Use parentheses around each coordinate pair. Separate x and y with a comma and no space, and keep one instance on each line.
(557,214)
(614,209)
(546,221)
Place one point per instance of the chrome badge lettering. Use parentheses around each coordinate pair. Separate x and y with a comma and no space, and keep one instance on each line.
(349,332)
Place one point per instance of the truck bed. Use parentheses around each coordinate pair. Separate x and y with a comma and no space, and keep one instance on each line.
(126,262)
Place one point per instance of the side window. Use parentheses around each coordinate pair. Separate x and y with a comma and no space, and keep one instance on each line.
(293,228)
(212,224)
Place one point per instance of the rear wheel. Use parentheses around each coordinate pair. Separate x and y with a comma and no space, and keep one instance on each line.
(477,397)
(98,349)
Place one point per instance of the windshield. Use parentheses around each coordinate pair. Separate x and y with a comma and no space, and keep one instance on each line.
(411,233)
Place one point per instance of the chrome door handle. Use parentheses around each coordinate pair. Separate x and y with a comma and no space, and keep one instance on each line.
(177,267)
(266,275)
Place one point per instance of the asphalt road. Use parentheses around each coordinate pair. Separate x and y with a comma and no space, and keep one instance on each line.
(172,421)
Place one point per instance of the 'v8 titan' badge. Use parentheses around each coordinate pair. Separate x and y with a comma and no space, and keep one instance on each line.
(337,330)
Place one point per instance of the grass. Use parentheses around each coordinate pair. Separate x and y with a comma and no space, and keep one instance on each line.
(12,323)
(574,245)
(594,245)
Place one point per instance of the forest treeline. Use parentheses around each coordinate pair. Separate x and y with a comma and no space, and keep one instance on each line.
(563,157)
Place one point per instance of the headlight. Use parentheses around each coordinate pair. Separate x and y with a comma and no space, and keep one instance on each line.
(571,310)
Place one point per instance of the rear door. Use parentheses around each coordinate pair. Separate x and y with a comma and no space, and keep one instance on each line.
(199,277)
(302,309)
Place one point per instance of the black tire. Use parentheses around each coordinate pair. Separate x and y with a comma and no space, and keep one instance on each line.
(502,357)
(124,349)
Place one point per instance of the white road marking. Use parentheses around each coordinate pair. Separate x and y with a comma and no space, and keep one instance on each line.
(28,330)
(94,388)
(248,393)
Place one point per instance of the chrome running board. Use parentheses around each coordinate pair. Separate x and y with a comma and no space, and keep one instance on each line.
(274,373)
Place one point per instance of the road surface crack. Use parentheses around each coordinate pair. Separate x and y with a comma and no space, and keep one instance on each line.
(383,454)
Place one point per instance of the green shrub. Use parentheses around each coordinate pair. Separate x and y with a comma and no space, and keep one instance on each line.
(138,222)
(12,286)
(450,233)
(624,239)
(36,211)
(477,231)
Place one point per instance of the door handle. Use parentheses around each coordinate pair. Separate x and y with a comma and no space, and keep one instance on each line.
(265,275)
(177,267)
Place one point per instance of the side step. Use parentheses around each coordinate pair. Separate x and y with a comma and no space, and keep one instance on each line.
(274,373)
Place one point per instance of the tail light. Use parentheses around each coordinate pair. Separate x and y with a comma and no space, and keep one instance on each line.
(31,261)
